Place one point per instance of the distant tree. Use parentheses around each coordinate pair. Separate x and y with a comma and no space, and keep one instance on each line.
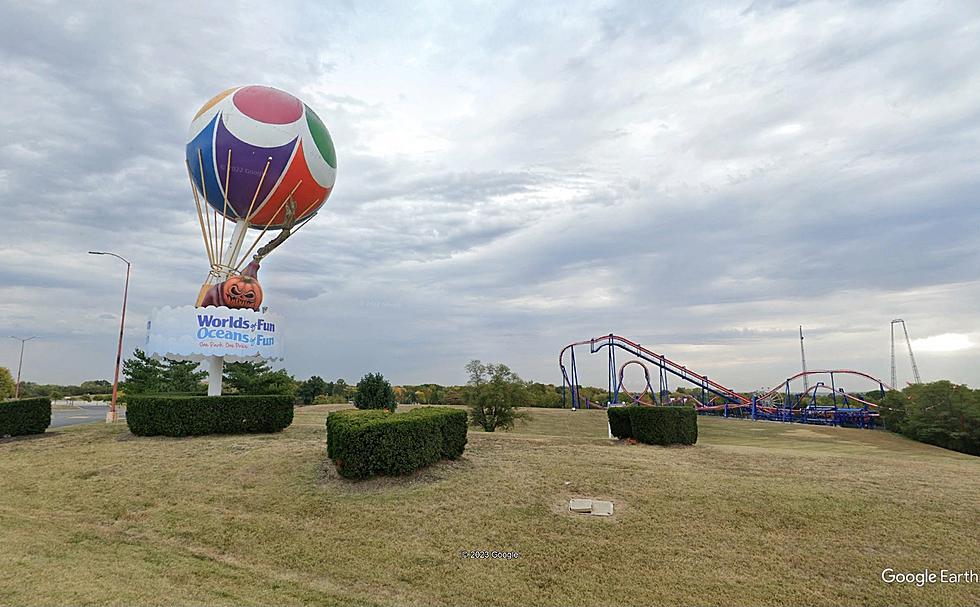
(873,396)
(142,374)
(543,395)
(453,396)
(339,388)
(7,384)
(311,388)
(374,392)
(96,386)
(182,376)
(592,394)
(493,393)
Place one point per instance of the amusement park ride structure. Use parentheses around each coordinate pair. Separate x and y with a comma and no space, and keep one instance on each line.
(908,342)
(711,398)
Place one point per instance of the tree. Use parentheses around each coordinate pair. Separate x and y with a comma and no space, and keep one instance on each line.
(339,388)
(182,376)
(244,377)
(257,378)
(494,392)
(280,382)
(374,392)
(7,384)
(311,388)
(142,374)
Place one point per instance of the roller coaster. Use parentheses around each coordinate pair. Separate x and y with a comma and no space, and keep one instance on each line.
(711,398)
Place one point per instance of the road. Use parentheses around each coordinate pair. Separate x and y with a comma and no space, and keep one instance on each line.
(81,414)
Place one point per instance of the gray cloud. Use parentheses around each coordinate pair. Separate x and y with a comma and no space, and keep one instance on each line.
(699,176)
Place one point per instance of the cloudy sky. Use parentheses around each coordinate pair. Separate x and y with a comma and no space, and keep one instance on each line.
(699,177)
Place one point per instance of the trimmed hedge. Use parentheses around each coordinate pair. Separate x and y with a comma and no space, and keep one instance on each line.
(655,425)
(619,422)
(199,415)
(366,443)
(25,416)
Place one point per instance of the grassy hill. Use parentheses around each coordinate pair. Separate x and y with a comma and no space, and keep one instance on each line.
(755,513)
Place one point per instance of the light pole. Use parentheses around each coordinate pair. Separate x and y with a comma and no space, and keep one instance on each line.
(111,416)
(22,341)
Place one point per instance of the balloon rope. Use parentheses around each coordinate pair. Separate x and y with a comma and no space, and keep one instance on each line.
(248,216)
(268,223)
(200,217)
(224,213)
(207,217)
(216,248)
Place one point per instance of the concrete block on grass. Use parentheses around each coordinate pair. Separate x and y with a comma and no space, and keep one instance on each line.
(601,508)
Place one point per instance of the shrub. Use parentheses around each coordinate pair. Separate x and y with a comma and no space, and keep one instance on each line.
(619,422)
(25,416)
(655,425)
(365,443)
(452,424)
(374,392)
(198,415)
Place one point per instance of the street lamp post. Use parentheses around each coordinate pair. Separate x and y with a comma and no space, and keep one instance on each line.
(111,416)
(20,364)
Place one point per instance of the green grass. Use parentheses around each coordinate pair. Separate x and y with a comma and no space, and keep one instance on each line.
(755,513)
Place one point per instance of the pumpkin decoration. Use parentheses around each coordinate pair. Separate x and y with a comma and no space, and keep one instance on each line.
(238,292)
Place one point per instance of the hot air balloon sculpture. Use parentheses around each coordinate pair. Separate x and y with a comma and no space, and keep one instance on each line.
(260,159)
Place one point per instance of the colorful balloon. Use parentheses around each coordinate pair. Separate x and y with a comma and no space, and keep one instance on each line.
(252,147)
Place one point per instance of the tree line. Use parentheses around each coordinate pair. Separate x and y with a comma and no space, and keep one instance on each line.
(145,375)
(939,413)
(28,389)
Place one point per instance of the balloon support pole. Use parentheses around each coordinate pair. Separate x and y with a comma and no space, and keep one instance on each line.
(216,364)
(216,368)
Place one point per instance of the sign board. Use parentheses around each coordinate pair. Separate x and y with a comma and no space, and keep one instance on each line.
(190,333)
